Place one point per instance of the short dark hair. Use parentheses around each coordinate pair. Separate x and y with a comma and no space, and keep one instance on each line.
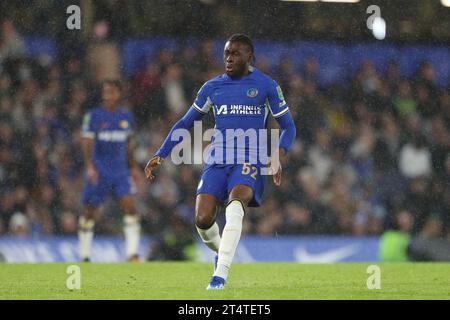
(242,38)
(114,82)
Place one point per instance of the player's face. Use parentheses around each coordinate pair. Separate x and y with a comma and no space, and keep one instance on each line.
(110,94)
(236,57)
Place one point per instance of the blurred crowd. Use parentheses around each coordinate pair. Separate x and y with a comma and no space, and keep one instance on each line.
(371,154)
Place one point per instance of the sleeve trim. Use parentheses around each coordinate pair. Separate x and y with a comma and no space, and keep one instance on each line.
(198,108)
(279,114)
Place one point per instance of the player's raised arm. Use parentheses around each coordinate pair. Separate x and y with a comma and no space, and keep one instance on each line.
(280,111)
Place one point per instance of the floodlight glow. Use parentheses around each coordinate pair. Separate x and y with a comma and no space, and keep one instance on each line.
(379,28)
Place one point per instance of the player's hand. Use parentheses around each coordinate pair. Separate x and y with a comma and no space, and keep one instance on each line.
(277,177)
(152,164)
(275,168)
(92,173)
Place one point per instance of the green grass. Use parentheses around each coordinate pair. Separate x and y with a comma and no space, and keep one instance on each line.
(186,280)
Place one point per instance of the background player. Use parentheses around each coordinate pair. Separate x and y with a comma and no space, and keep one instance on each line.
(238,185)
(108,149)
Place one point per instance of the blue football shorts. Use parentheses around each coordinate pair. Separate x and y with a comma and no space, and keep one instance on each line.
(118,185)
(219,180)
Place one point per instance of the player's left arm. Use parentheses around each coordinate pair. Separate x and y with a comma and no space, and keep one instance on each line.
(280,111)
(288,132)
(287,138)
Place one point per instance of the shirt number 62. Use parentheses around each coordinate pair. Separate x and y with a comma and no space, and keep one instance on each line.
(248,169)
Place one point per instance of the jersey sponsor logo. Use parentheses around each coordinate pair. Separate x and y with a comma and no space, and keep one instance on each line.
(239,109)
(222,109)
(252,92)
(113,136)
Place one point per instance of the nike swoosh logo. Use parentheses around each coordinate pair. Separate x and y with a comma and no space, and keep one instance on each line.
(330,256)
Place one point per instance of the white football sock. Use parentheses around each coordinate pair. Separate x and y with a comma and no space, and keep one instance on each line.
(231,234)
(85,235)
(132,231)
(211,236)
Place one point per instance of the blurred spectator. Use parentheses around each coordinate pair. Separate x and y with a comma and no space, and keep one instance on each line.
(284,72)
(146,92)
(368,77)
(174,91)
(415,159)
(311,70)
(68,223)
(404,102)
(299,219)
(11,43)
(405,221)
(103,57)
(19,225)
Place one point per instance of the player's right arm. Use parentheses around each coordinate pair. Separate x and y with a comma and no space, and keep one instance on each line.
(199,108)
(88,134)
(186,122)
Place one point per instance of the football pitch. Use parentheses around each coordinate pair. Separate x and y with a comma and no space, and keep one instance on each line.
(255,281)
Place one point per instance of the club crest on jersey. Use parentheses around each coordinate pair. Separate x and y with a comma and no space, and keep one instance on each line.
(124,124)
(252,92)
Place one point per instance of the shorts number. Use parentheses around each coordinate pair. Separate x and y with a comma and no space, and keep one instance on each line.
(246,169)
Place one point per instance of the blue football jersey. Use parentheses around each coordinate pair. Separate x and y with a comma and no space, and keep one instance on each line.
(239,105)
(111,131)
